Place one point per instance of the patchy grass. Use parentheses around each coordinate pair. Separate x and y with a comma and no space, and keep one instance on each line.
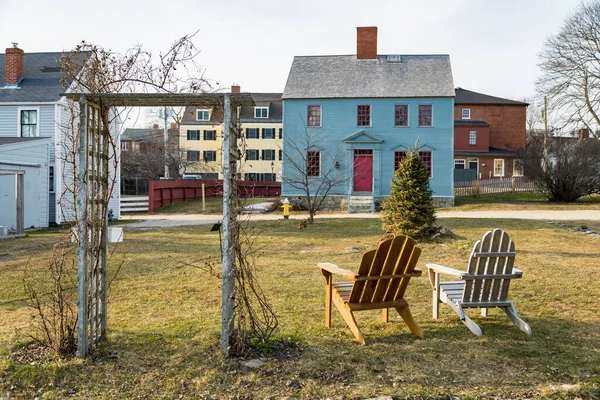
(523,201)
(213,205)
(164,321)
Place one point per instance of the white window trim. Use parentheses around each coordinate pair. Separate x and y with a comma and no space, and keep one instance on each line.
(425,126)
(495,160)
(261,108)
(202,111)
(460,161)
(320,116)
(125,146)
(514,169)
(407,115)
(37,127)
(475,141)
(320,164)
(370,116)
(470,160)
(468,110)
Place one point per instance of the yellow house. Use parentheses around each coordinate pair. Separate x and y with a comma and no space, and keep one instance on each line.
(260,144)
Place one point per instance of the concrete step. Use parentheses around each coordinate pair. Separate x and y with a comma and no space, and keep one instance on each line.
(360,204)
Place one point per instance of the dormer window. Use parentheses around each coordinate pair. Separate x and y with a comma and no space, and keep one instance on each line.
(466,113)
(202,115)
(261,112)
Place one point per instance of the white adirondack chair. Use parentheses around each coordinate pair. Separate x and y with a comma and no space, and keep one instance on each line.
(485,283)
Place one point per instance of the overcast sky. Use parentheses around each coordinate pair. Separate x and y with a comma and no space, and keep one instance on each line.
(493,44)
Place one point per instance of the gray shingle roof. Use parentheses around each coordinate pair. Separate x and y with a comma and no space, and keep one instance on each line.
(314,77)
(41,79)
(11,140)
(464,96)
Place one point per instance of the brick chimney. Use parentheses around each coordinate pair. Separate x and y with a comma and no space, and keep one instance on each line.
(14,65)
(235,88)
(366,43)
(583,134)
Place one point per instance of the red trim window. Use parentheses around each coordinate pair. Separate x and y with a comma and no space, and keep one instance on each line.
(363,115)
(425,157)
(314,115)
(401,115)
(425,112)
(313,164)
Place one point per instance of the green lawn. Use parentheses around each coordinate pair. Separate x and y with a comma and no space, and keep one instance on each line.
(522,201)
(164,321)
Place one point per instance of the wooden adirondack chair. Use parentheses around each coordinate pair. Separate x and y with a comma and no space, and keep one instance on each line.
(485,283)
(379,283)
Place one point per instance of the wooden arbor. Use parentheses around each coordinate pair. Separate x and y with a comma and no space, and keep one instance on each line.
(91,203)
(379,283)
(484,285)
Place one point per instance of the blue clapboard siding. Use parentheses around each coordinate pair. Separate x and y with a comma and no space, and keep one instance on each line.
(339,122)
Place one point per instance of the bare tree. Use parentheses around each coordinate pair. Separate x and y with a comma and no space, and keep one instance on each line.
(573,167)
(313,168)
(570,61)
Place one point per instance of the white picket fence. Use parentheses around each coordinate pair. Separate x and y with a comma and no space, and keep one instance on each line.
(131,204)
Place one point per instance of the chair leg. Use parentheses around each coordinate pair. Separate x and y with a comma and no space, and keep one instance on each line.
(473,327)
(484,312)
(410,321)
(511,312)
(349,318)
(434,277)
(385,315)
(328,295)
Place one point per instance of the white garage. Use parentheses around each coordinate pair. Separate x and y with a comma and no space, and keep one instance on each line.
(28,157)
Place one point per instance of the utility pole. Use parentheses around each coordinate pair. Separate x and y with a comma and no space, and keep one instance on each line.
(545,134)
(166,117)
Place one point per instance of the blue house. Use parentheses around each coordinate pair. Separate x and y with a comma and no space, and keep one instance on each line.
(355,116)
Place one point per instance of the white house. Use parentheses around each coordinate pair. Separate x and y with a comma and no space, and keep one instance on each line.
(31,107)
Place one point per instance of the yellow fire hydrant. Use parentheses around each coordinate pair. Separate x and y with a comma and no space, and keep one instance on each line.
(286,208)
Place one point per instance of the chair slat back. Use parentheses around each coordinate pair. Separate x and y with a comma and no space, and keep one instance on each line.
(498,260)
(396,255)
(367,264)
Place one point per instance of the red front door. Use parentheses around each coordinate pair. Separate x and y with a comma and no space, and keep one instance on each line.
(363,172)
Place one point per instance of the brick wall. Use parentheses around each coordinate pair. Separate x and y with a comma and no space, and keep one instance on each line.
(507,123)
(366,42)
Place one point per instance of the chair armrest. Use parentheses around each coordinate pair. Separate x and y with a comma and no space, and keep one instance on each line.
(446,270)
(517,272)
(334,269)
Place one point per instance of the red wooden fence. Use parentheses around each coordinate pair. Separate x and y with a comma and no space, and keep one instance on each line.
(163,192)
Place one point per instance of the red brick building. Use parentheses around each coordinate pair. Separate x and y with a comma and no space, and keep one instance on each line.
(488,134)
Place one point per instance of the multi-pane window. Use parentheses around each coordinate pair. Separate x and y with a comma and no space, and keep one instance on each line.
(125,146)
(425,157)
(280,133)
(425,112)
(202,115)
(210,135)
(518,168)
(261,112)
(193,135)
(474,163)
(252,154)
(401,115)
(466,113)
(268,133)
(363,115)
(313,163)
(314,115)
(499,167)
(209,155)
(252,133)
(28,123)
(268,155)
(459,164)
(262,177)
(193,155)
(51,178)
(473,137)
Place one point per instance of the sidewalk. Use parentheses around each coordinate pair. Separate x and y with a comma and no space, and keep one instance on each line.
(167,220)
